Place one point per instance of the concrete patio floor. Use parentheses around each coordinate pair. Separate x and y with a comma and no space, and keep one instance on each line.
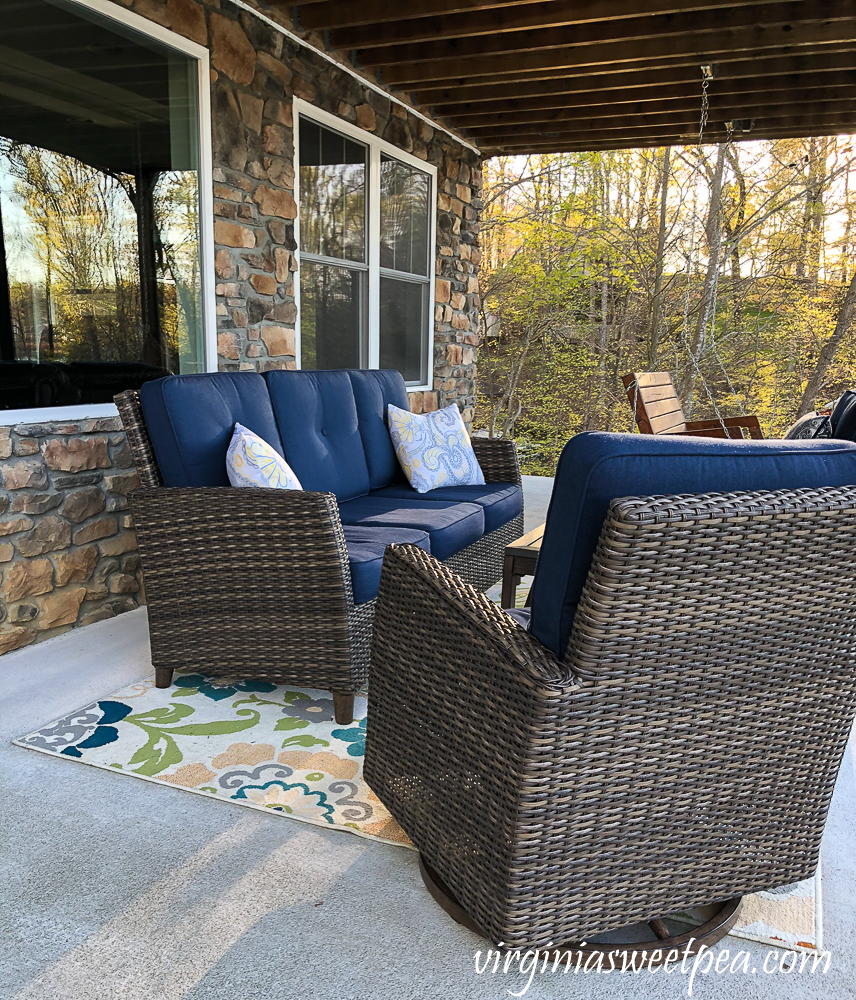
(117,889)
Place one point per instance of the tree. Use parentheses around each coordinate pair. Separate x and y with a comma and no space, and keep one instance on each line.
(843,324)
(586,277)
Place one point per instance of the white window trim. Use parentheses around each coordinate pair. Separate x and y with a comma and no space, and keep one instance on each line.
(376,146)
(82,411)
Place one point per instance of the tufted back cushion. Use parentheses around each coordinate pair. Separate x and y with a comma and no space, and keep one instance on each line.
(373,391)
(318,425)
(190,420)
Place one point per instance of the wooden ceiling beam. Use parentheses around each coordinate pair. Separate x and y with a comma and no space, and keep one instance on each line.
(769,20)
(543,109)
(715,47)
(548,147)
(334,14)
(445,99)
(744,105)
(625,131)
(328,14)
(616,15)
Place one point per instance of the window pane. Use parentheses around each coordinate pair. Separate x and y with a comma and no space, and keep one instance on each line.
(332,193)
(403,327)
(332,307)
(404,226)
(99,211)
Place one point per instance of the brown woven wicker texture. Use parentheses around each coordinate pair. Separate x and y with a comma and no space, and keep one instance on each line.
(256,583)
(683,753)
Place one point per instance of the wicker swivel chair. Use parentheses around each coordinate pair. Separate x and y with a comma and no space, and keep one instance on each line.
(666,733)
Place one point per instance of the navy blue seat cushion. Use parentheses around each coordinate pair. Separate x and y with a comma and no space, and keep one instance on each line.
(520,615)
(451,526)
(373,392)
(596,468)
(366,547)
(190,420)
(317,419)
(501,502)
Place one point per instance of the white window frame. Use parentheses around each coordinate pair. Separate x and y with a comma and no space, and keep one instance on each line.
(376,146)
(81,411)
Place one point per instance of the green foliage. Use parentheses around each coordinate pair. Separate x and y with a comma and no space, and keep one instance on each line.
(737,307)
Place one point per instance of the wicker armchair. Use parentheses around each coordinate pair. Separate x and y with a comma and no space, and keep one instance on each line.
(682,752)
(256,583)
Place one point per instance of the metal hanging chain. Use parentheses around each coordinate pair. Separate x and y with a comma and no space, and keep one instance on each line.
(705,107)
(728,142)
(715,289)
(707,76)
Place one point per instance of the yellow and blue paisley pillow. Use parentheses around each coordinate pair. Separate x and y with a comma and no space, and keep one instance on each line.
(434,448)
(251,461)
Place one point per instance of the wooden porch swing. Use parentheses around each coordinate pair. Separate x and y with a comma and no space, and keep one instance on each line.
(657,408)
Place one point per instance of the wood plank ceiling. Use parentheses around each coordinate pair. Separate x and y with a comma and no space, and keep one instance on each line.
(532,76)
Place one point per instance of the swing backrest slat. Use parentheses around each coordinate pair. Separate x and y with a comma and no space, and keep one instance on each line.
(655,402)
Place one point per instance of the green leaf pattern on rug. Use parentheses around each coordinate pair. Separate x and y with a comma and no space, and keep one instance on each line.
(290,724)
(304,741)
(160,751)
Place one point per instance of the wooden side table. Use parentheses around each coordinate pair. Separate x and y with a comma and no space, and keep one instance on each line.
(520,560)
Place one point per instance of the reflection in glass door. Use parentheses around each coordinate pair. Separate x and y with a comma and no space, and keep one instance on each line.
(100,277)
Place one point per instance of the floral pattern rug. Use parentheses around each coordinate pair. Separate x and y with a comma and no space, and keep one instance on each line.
(252,742)
(278,748)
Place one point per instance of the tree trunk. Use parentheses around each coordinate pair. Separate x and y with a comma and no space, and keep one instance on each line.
(713,229)
(657,299)
(827,353)
(735,225)
(811,231)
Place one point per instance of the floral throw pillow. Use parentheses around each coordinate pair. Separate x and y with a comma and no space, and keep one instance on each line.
(434,448)
(250,461)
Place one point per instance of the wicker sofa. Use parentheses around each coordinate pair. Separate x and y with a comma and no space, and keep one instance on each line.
(281,584)
(666,730)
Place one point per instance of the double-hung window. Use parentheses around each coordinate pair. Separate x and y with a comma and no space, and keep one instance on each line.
(366,237)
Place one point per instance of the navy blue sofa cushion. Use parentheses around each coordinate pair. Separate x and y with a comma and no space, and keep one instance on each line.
(190,420)
(451,526)
(373,392)
(366,547)
(317,419)
(501,502)
(596,468)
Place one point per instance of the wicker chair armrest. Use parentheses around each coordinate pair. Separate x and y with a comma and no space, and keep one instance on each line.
(498,460)
(471,628)
(293,538)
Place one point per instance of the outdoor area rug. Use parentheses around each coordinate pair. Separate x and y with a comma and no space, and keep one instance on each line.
(277,748)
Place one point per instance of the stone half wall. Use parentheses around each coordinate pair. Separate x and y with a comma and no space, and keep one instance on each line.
(67,548)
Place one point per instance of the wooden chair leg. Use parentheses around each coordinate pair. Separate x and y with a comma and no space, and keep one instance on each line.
(163,677)
(509,583)
(343,707)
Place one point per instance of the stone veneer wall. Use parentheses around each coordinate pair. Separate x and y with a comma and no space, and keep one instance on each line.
(67,550)
(67,547)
